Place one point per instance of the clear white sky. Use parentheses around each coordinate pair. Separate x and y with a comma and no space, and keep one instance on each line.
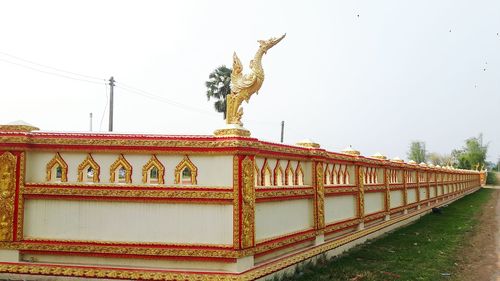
(400,71)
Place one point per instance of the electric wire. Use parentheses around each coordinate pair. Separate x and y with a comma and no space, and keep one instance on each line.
(51,73)
(50,67)
(159,98)
(105,105)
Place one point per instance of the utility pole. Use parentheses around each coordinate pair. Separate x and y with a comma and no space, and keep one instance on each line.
(282,130)
(91,121)
(111,86)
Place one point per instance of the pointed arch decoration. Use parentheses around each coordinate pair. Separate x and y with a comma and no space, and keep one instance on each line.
(278,174)
(82,168)
(299,174)
(346,175)
(327,178)
(266,174)
(153,163)
(186,164)
(121,162)
(57,160)
(289,174)
(256,174)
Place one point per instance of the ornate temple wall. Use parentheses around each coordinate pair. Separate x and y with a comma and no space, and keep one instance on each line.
(197,207)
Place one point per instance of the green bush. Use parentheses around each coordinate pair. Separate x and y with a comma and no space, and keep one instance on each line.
(492,178)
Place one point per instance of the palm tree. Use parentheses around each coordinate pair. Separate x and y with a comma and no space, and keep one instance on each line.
(218,87)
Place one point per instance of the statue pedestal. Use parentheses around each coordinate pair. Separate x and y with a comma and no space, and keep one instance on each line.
(232,130)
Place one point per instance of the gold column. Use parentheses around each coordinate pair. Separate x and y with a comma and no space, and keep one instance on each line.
(319,198)
(361,193)
(7,193)
(405,190)
(244,202)
(387,193)
(418,185)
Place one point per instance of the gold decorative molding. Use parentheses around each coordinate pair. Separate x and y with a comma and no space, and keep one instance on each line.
(361,193)
(121,162)
(320,196)
(20,200)
(248,203)
(289,192)
(244,86)
(7,190)
(144,194)
(82,169)
(186,163)
(57,160)
(236,203)
(387,191)
(153,163)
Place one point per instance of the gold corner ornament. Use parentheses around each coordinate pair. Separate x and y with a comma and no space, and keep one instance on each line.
(243,86)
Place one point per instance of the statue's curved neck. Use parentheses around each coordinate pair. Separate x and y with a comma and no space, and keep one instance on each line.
(257,61)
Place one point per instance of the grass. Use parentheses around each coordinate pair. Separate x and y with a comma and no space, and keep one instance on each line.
(424,250)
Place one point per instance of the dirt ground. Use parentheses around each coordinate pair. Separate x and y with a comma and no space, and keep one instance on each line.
(480,257)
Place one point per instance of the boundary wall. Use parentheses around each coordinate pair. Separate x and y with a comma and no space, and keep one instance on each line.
(122,206)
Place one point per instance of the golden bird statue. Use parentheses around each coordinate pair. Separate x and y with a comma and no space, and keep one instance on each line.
(243,86)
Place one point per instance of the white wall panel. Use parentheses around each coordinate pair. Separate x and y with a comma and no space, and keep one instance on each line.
(281,217)
(412,195)
(396,198)
(338,208)
(128,221)
(374,202)
(423,193)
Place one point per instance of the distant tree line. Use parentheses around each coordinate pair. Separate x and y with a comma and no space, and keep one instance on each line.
(471,155)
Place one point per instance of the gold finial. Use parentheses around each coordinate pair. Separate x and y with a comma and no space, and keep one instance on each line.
(18,126)
(397,160)
(244,86)
(351,151)
(378,155)
(308,143)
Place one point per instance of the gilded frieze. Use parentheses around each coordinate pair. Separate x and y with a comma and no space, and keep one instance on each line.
(124,193)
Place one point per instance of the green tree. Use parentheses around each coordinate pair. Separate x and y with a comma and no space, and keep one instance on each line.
(441,159)
(417,151)
(472,154)
(218,87)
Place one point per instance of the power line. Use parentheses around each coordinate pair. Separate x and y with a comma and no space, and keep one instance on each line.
(105,105)
(159,98)
(50,67)
(51,73)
